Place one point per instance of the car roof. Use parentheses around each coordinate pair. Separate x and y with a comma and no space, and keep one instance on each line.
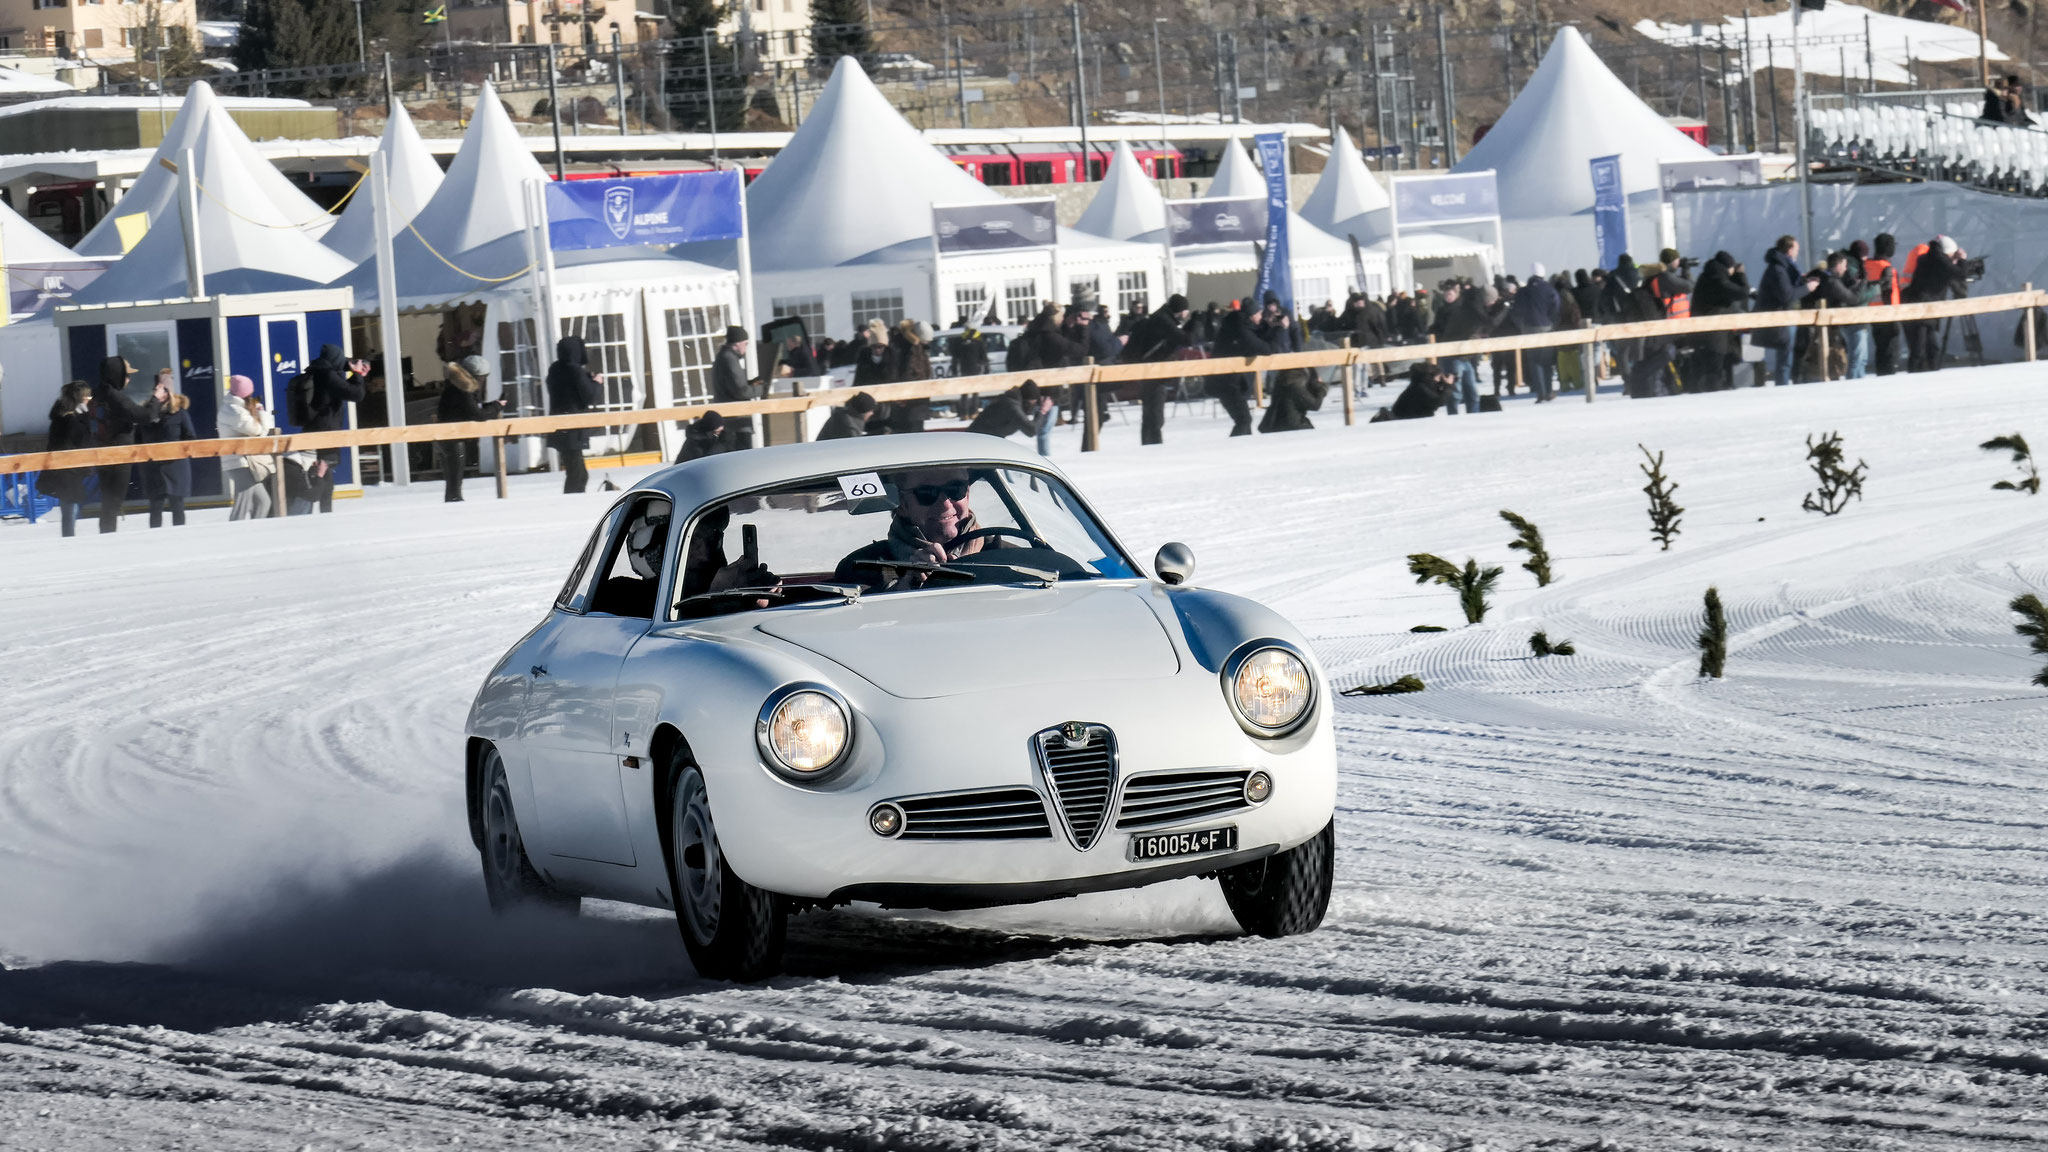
(709,478)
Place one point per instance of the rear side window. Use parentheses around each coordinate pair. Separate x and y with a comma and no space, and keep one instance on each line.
(575,595)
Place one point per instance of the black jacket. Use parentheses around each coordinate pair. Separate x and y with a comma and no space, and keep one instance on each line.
(68,431)
(1720,290)
(1102,342)
(572,390)
(1157,337)
(1462,319)
(970,354)
(1778,289)
(871,365)
(700,440)
(1004,416)
(729,377)
(843,425)
(460,406)
(1367,323)
(167,477)
(1618,303)
(1829,290)
(1237,338)
(115,414)
(1934,278)
(1422,397)
(334,387)
(1535,307)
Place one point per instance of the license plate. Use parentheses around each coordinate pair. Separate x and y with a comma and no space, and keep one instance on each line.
(1167,845)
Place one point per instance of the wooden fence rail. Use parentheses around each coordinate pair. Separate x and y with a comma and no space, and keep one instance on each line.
(1088,375)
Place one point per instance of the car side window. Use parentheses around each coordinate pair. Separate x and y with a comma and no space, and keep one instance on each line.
(633,559)
(575,595)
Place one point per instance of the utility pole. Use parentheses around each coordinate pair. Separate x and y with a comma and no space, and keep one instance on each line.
(1799,119)
(1216,75)
(555,114)
(619,78)
(710,96)
(960,78)
(387,80)
(163,121)
(1236,85)
(1749,80)
(1159,72)
(1379,120)
(1448,120)
(362,50)
(1080,99)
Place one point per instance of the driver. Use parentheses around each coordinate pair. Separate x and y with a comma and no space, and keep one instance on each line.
(932,519)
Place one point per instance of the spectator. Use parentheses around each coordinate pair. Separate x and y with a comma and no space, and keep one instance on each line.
(1934,278)
(573,389)
(849,419)
(462,401)
(1881,273)
(70,429)
(1536,310)
(115,417)
(1237,338)
(1825,285)
(2015,101)
(910,359)
(1721,290)
(871,356)
(1778,291)
(1585,293)
(1665,295)
(707,435)
(337,383)
(729,383)
(798,359)
(1022,409)
(969,351)
(241,416)
(1103,345)
(308,482)
(1995,103)
(1158,338)
(167,482)
(1462,317)
(1430,387)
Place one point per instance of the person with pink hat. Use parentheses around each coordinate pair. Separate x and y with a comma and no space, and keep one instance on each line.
(242,415)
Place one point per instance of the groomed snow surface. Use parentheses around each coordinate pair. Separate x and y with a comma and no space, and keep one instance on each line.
(1584,902)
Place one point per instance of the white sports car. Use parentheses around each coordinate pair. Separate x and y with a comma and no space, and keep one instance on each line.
(911,670)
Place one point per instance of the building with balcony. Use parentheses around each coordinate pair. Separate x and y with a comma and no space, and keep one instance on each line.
(101,31)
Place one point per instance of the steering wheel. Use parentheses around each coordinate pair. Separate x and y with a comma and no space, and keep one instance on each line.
(1030,541)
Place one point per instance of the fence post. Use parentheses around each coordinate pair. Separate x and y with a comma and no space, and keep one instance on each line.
(1518,370)
(1589,368)
(1350,385)
(2031,312)
(504,443)
(1821,333)
(1091,427)
(277,485)
(1432,340)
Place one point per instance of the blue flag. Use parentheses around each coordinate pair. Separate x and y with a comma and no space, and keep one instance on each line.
(644,210)
(1610,210)
(1273,268)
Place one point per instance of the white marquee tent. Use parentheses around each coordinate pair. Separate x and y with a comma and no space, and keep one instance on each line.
(202,125)
(1348,201)
(1321,265)
(1573,110)
(414,176)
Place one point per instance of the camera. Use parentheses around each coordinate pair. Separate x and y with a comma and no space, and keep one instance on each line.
(1971,270)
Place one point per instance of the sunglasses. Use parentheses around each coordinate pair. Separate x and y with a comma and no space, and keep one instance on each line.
(954,490)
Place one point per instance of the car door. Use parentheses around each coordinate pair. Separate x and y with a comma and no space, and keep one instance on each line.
(567,728)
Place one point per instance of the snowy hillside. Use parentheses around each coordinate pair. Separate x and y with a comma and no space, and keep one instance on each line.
(1583,902)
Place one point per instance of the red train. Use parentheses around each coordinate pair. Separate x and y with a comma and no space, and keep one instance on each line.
(1001,164)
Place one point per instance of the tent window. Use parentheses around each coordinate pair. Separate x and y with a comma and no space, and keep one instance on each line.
(1084,289)
(886,306)
(519,360)
(1133,294)
(693,338)
(604,337)
(809,309)
(1020,300)
(1310,293)
(970,302)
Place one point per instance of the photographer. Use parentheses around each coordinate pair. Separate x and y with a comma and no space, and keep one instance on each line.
(1936,275)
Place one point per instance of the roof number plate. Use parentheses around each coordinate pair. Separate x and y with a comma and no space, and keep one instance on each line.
(862,486)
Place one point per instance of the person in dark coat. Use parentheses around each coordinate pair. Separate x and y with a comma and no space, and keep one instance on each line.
(70,429)
(1777,290)
(1883,271)
(1934,278)
(1462,317)
(1238,337)
(1585,293)
(871,356)
(1022,409)
(1721,290)
(849,419)
(1430,387)
(800,359)
(1665,292)
(115,417)
(167,482)
(729,383)
(969,351)
(1158,337)
(1535,309)
(910,359)
(337,383)
(707,435)
(1103,346)
(461,402)
(573,389)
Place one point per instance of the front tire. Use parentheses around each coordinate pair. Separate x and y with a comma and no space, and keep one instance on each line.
(733,930)
(510,879)
(1285,894)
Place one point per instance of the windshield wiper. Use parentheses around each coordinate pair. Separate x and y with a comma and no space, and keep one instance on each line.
(923,566)
(847,592)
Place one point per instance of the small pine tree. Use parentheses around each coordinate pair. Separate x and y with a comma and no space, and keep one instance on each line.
(1472,582)
(1664,511)
(2021,459)
(1541,644)
(1838,485)
(2033,625)
(839,28)
(1714,638)
(1530,540)
(1409,683)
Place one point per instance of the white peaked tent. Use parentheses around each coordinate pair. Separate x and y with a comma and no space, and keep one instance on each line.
(414,176)
(840,226)
(40,271)
(1321,264)
(1127,204)
(1573,110)
(1348,201)
(203,125)
(246,242)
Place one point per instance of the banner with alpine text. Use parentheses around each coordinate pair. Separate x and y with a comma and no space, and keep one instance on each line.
(673,209)
(1275,276)
(994,227)
(1190,222)
(1610,210)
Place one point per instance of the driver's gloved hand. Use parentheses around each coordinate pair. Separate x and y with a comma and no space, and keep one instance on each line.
(740,574)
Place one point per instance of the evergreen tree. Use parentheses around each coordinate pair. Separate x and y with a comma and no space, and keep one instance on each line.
(839,28)
(308,33)
(1838,485)
(1530,540)
(1714,638)
(689,104)
(1664,511)
(1472,582)
(1541,644)
(2022,459)
(1408,683)
(2033,625)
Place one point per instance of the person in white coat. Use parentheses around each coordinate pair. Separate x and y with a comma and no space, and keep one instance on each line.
(241,415)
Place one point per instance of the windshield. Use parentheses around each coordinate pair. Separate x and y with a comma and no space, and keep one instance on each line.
(887,532)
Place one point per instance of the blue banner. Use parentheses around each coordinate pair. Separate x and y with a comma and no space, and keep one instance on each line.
(1451,198)
(1273,264)
(673,209)
(1610,210)
(993,227)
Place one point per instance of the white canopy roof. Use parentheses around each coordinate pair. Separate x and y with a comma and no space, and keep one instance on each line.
(1346,193)
(1573,110)
(1833,40)
(1238,178)
(204,127)
(14,81)
(1127,204)
(414,177)
(23,243)
(855,178)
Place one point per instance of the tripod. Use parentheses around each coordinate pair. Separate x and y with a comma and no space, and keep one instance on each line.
(1973,340)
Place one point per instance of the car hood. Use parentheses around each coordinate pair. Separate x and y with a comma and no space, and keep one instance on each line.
(959,641)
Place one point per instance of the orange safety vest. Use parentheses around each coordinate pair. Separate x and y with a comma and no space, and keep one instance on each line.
(1912,262)
(1873,273)
(1677,307)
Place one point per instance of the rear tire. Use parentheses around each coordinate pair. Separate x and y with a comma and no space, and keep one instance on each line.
(1285,894)
(510,879)
(733,930)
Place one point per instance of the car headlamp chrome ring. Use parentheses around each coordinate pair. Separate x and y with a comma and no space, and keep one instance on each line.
(1270,687)
(804,732)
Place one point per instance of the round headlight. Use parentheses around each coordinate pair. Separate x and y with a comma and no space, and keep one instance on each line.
(804,732)
(1271,689)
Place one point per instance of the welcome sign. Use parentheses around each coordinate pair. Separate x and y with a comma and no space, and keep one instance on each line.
(674,209)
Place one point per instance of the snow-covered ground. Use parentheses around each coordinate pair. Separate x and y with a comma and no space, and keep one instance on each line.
(1584,902)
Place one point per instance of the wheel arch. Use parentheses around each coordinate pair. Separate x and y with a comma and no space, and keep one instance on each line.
(667,753)
(473,787)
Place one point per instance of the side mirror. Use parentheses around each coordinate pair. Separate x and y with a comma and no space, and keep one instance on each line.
(1175,563)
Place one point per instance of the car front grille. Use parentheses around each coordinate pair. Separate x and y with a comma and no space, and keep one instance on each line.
(1081,774)
(1171,797)
(993,814)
